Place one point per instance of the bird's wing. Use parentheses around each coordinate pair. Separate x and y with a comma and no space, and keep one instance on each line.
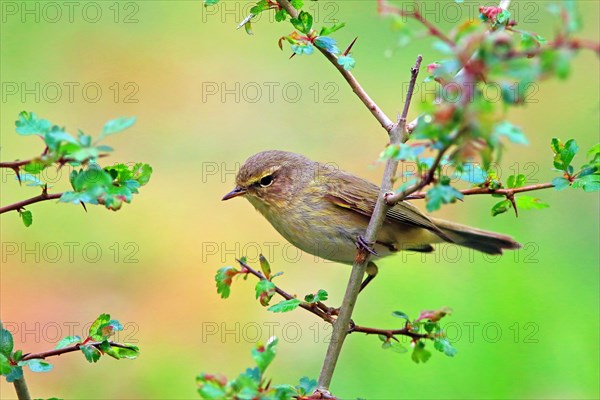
(356,194)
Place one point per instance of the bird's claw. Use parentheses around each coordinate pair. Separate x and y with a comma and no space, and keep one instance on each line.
(362,244)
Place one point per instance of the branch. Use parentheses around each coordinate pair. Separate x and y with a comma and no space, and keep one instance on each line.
(324,312)
(340,327)
(15,164)
(384,8)
(69,349)
(21,204)
(486,190)
(22,389)
(320,311)
(385,122)
(393,199)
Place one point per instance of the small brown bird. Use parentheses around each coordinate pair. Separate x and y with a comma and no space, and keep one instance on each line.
(323,211)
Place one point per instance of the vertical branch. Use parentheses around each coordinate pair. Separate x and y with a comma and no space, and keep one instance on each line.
(21,389)
(342,323)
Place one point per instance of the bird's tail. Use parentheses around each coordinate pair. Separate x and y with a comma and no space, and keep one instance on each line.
(478,239)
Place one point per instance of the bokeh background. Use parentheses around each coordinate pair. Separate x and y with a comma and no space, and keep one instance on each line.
(207,96)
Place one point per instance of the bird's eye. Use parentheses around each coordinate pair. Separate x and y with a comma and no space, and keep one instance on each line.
(266,181)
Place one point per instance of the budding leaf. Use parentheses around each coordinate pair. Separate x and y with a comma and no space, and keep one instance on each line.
(420,354)
(265,266)
(307,386)
(444,346)
(224,279)
(263,355)
(265,291)
(26,217)
(91,353)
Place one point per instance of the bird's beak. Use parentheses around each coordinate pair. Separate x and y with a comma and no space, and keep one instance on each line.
(238,191)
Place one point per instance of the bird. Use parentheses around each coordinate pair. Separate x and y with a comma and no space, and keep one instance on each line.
(325,211)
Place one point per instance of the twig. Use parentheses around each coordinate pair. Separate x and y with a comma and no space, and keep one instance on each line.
(69,349)
(21,204)
(340,327)
(15,164)
(393,199)
(383,119)
(485,190)
(22,389)
(321,310)
(384,8)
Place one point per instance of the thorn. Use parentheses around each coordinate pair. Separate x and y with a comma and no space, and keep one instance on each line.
(292,56)
(45,190)
(350,47)
(18,175)
(511,198)
(83,205)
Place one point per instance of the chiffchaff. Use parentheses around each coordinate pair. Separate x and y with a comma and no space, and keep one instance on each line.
(323,211)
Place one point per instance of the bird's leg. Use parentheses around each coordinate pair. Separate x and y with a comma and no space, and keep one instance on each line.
(362,244)
(372,271)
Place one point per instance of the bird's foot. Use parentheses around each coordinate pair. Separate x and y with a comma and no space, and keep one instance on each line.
(362,244)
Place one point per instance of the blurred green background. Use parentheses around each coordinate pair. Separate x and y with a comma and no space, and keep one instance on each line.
(207,96)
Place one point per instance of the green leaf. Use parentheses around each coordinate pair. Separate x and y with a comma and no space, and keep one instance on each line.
(14,374)
(328,30)
(5,366)
(560,183)
(263,355)
(347,62)
(444,346)
(510,131)
(473,173)
(210,2)
(91,353)
(285,306)
(34,167)
(589,183)
(516,181)
(321,295)
(307,386)
(116,125)
(26,217)
(400,314)
(31,180)
(303,23)
(224,279)
(297,4)
(118,353)
(6,342)
(529,203)
(96,328)
(397,347)
(264,291)
(30,124)
(501,207)
(67,341)
(37,365)
(420,354)
(280,15)
(441,194)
